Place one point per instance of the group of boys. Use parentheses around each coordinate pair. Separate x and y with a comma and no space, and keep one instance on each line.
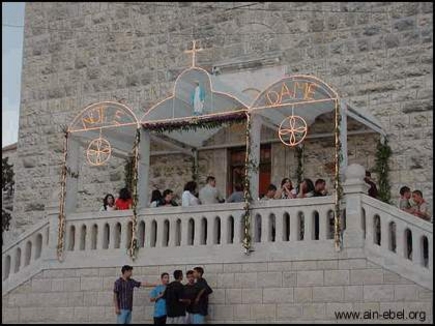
(416,205)
(174,303)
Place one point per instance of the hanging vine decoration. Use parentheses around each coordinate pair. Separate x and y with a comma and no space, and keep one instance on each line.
(337,183)
(383,154)
(134,247)
(300,168)
(247,239)
(62,196)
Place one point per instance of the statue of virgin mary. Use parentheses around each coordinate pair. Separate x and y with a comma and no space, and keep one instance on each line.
(197,98)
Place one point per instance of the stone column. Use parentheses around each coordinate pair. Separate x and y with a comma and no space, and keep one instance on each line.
(198,231)
(254,157)
(279,226)
(308,226)
(353,187)
(72,163)
(143,168)
(417,248)
(294,226)
(210,230)
(172,232)
(184,231)
(100,236)
(238,228)
(124,235)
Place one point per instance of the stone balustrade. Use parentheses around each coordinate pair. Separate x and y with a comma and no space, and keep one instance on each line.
(281,230)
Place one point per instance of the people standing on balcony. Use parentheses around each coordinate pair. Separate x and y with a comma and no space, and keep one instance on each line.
(124,201)
(200,305)
(271,192)
(167,199)
(237,196)
(156,296)
(209,194)
(405,196)
(306,189)
(123,294)
(373,191)
(175,301)
(190,292)
(156,198)
(188,198)
(320,188)
(108,203)
(285,192)
(420,207)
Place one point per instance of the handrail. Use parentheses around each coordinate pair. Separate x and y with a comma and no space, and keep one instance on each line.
(35,228)
(399,214)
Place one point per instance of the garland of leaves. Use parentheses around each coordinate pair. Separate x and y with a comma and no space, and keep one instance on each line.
(300,168)
(134,247)
(62,195)
(196,123)
(383,154)
(128,171)
(337,183)
(247,239)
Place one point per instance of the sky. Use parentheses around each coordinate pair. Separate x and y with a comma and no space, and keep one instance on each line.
(12,57)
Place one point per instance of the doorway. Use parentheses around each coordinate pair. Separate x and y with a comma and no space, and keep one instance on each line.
(236,168)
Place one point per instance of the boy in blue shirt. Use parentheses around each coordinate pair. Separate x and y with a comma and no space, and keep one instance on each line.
(156,296)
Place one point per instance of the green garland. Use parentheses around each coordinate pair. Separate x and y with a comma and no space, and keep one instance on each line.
(128,171)
(196,123)
(337,183)
(383,154)
(300,168)
(249,165)
(134,246)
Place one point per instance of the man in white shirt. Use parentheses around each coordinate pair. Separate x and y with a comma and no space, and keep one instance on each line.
(210,194)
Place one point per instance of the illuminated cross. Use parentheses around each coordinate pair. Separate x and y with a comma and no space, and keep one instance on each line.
(193,51)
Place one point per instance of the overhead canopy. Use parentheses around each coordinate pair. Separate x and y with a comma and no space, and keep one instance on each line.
(215,100)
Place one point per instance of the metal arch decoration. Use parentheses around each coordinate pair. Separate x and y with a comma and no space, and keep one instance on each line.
(99,151)
(294,90)
(295,128)
(105,114)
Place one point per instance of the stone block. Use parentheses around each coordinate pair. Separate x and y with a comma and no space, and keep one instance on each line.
(225,280)
(220,312)
(406,292)
(277,295)
(105,298)
(252,295)
(242,312)
(313,311)
(10,315)
(304,294)
(75,299)
(81,314)
(254,267)
(288,279)
(96,314)
(391,277)
(278,267)
(218,296)
(309,278)
(352,263)
(231,268)
(41,285)
(91,283)
(110,271)
(337,277)
(269,279)
(233,296)
(378,292)
(328,294)
(304,265)
(213,268)
(246,280)
(287,312)
(87,272)
(366,276)
(327,264)
(90,299)
(263,312)
(353,293)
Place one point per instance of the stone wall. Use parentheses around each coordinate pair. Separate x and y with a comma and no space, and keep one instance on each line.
(378,56)
(303,291)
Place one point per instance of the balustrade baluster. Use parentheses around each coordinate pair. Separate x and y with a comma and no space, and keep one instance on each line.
(308,225)
(294,226)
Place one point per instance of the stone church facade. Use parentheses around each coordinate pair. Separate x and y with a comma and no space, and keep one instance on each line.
(377,56)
